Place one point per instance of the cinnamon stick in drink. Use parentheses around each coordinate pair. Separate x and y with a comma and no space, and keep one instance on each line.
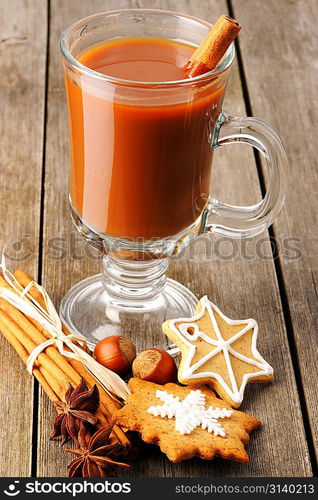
(213,47)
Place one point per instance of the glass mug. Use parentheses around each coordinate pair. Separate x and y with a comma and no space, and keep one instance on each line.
(141,157)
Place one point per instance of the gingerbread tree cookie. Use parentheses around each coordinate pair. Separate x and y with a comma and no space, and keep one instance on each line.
(186,422)
(218,351)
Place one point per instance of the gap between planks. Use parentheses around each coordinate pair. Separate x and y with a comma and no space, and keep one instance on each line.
(36,388)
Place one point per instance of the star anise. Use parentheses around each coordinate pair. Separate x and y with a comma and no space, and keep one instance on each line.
(80,406)
(95,456)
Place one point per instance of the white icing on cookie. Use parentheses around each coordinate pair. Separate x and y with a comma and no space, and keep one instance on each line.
(190,413)
(187,373)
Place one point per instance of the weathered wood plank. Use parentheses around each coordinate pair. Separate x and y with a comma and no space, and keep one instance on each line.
(280,60)
(245,288)
(22,85)
(62,270)
(240,287)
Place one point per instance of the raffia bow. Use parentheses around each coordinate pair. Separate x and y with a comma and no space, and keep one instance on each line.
(49,319)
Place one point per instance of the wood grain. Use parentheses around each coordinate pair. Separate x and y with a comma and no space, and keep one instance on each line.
(282,90)
(239,286)
(22,84)
(75,260)
(245,288)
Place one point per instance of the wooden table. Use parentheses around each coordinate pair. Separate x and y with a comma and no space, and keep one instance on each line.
(275,77)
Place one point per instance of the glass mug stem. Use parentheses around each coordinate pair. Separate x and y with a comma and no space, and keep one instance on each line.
(132,282)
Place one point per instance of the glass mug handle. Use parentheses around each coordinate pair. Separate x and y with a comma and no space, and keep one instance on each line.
(247,221)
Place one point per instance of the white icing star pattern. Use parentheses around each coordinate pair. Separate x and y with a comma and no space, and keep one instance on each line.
(217,345)
(190,413)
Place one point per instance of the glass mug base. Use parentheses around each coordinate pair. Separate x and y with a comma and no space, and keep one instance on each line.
(89,309)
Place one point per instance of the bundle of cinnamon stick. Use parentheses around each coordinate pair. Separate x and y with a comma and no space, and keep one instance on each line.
(213,47)
(52,370)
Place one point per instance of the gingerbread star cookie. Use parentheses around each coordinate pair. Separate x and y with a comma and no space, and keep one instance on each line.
(218,351)
(186,422)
